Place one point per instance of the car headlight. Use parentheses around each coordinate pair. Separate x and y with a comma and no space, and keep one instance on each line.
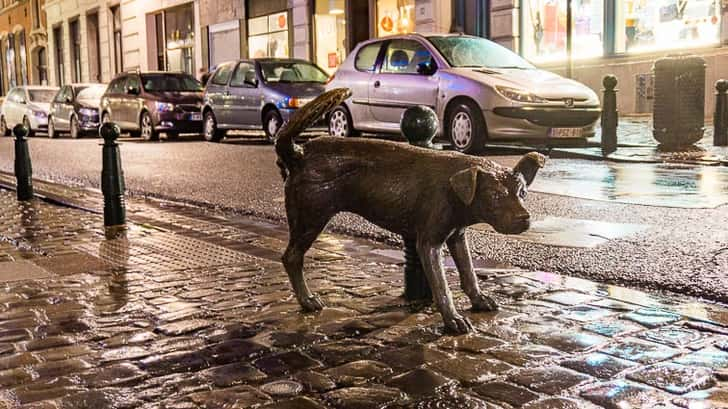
(39,114)
(88,112)
(164,106)
(294,102)
(518,95)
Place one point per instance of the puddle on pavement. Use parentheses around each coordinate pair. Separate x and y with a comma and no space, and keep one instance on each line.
(669,185)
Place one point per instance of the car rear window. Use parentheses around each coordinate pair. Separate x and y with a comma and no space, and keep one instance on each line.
(170,82)
(367,57)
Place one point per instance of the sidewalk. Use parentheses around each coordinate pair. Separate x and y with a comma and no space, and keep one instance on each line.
(194,310)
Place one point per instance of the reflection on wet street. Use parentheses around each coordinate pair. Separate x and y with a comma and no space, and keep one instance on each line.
(669,185)
(193,310)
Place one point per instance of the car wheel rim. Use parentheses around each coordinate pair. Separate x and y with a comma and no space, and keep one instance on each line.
(339,124)
(146,127)
(210,127)
(461,130)
(273,126)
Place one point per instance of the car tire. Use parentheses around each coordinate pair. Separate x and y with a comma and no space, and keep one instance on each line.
(4,127)
(466,128)
(146,127)
(340,123)
(272,122)
(26,123)
(210,131)
(52,133)
(73,128)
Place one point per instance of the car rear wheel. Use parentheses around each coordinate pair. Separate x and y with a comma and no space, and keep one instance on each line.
(466,128)
(211,133)
(75,131)
(271,124)
(52,133)
(26,123)
(340,123)
(4,127)
(146,127)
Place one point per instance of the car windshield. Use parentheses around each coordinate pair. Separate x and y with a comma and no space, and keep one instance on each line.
(170,82)
(290,71)
(41,95)
(477,52)
(91,93)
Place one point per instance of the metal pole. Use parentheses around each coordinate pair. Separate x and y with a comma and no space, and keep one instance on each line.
(569,40)
(610,115)
(112,183)
(720,118)
(23,168)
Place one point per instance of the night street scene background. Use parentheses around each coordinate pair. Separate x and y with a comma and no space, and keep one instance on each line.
(363,204)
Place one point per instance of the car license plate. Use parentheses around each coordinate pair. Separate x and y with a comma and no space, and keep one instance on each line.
(565,133)
(196,116)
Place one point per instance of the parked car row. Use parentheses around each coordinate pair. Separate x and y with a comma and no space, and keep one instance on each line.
(479,90)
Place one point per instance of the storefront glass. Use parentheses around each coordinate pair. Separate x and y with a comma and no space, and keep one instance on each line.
(647,25)
(395,17)
(179,25)
(330,28)
(268,36)
(544,29)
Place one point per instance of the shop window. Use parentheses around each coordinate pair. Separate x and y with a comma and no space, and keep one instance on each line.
(75,40)
(544,29)
(268,36)
(330,29)
(647,25)
(10,61)
(395,17)
(179,30)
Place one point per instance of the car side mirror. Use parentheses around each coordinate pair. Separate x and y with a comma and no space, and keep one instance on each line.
(426,68)
(69,100)
(132,90)
(22,101)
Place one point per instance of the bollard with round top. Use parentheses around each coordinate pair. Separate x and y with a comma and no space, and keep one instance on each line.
(23,167)
(610,115)
(112,183)
(419,125)
(720,118)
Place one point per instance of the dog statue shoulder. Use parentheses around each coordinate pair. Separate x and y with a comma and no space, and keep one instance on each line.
(428,196)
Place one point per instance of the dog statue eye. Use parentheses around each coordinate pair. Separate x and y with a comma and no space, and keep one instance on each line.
(522,193)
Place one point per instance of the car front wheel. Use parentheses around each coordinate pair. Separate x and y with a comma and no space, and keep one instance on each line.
(211,133)
(146,127)
(271,124)
(466,128)
(340,123)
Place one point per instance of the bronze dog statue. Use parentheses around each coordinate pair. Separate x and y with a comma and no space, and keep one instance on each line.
(429,196)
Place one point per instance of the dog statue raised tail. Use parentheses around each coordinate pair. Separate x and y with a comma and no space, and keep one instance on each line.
(425,195)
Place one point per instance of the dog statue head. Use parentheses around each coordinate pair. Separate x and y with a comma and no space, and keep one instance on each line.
(496,196)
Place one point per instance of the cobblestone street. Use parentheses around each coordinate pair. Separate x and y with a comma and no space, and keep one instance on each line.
(193,310)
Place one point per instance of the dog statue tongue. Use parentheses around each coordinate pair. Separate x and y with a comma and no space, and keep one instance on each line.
(425,195)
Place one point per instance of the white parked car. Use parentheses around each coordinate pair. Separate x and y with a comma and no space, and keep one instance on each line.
(28,105)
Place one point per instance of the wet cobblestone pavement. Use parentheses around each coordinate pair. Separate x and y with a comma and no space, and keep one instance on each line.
(193,310)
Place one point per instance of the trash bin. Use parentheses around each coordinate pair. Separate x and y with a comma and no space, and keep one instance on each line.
(679,104)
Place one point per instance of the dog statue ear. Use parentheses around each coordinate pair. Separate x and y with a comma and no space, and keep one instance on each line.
(464,184)
(529,165)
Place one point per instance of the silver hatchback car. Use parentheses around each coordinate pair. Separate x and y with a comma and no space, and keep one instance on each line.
(480,91)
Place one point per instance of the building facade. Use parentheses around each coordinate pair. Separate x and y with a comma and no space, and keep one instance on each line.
(23,44)
(620,37)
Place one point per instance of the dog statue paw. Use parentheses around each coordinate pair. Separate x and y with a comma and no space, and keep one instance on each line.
(458,325)
(312,303)
(483,303)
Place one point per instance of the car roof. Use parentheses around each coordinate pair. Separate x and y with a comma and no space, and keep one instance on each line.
(38,87)
(423,36)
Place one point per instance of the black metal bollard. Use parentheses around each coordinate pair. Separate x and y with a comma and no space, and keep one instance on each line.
(720,119)
(23,168)
(419,125)
(112,183)
(610,115)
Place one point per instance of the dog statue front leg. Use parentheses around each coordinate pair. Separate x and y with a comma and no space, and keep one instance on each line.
(460,252)
(431,257)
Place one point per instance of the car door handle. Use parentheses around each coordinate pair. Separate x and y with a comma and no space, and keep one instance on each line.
(377,84)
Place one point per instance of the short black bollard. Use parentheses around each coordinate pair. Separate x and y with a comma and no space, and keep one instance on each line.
(720,119)
(419,125)
(610,115)
(112,183)
(23,168)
